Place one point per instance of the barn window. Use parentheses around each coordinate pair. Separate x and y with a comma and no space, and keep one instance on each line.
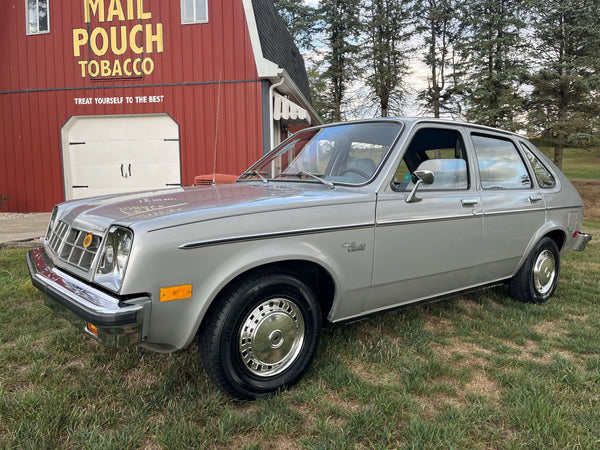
(194,11)
(38,19)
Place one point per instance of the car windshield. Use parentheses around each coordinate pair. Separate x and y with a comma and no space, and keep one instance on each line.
(348,153)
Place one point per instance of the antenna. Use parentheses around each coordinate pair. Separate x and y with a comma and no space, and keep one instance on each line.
(214,182)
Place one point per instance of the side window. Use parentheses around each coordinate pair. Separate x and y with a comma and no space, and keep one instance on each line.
(194,11)
(544,178)
(440,150)
(38,19)
(500,164)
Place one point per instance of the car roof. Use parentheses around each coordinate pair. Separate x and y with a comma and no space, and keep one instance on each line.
(418,120)
(412,121)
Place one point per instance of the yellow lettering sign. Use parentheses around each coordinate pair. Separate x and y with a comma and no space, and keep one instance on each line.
(99,32)
(136,66)
(151,38)
(133,42)
(83,65)
(115,9)
(127,67)
(130,10)
(140,11)
(137,38)
(80,37)
(93,7)
(94,68)
(114,41)
(117,69)
(148,66)
(107,68)
(105,64)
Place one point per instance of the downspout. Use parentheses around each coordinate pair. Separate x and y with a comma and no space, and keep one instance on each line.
(271,100)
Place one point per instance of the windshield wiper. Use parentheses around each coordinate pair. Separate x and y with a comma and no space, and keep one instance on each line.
(258,174)
(319,179)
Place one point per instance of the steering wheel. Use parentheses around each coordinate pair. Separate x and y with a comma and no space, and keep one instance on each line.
(366,176)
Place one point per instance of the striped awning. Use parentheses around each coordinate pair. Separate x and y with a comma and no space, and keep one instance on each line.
(286,110)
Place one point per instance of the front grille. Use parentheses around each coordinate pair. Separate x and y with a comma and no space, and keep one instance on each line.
(67,244)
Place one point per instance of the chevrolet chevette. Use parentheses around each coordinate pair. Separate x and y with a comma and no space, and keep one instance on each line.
(336,223)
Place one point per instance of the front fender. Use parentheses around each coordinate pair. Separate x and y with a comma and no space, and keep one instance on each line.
(213,267)
(350,271)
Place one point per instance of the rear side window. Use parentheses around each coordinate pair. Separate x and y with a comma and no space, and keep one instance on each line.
(500,164)
(544,178)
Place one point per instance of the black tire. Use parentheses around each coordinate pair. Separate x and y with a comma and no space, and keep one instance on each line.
(261,335)
(536,280)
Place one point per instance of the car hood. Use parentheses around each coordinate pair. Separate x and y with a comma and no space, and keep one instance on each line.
(156,209)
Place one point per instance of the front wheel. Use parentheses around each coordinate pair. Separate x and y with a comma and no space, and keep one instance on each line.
(536,280)
(262,335)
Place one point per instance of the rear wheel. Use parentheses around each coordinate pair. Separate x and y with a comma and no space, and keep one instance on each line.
(536,280)
(262,335)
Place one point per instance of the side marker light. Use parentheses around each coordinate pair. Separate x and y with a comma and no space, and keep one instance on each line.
(169,294)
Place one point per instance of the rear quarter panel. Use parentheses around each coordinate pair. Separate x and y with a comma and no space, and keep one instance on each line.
(564,208)
(564,205)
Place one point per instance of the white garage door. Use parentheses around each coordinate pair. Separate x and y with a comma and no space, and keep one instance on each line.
(115,154)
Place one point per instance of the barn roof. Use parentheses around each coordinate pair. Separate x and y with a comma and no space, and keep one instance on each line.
(278,45)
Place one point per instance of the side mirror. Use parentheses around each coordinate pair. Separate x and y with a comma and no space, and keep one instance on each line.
(423,176)
(426,176)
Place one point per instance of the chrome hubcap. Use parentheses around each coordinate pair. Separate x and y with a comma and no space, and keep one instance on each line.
(271,337)
(544,272)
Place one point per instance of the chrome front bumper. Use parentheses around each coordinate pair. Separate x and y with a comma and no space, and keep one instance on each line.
(117,323)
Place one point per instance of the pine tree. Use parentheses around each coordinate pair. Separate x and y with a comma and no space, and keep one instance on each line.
(492,52)
(564,108)
(388,25)
(300,19)
(438,24)
(319,93)
(341,28)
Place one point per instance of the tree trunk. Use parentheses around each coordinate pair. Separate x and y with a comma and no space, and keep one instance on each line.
(337,97)
(558,155)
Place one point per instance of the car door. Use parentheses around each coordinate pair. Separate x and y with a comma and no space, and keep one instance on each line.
(427,247)
(514,209)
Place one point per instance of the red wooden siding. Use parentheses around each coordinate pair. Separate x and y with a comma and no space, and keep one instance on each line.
(40,80)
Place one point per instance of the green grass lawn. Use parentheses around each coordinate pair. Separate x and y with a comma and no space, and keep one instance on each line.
(579,163)
(478,371)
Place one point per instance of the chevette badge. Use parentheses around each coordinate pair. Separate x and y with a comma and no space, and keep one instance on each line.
(354,247)
(88,240)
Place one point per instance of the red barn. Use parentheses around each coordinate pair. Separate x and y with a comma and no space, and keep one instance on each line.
(103,96)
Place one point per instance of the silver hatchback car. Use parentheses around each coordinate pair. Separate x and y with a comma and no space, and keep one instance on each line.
(336,223)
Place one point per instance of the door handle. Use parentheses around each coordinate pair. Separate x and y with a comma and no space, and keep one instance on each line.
(469,202)
(123,173)
(129,169)
(535,198)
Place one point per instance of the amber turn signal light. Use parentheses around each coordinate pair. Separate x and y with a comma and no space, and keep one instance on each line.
(92,329)
(169,294)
